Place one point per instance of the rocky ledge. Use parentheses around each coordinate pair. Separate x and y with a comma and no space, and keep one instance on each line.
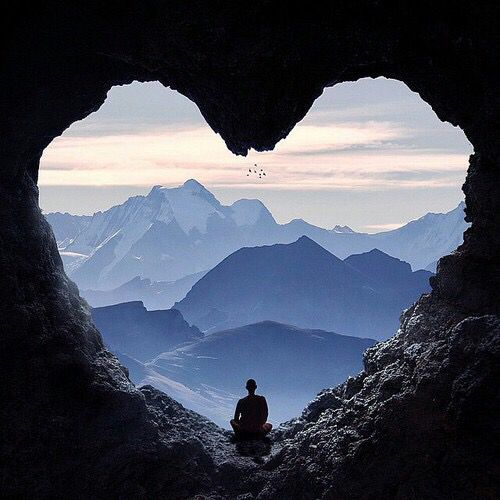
(422,412)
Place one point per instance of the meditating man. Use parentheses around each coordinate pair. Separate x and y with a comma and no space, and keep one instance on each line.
(251,414)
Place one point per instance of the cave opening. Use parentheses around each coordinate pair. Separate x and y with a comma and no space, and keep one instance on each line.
(369,158)
(419,422)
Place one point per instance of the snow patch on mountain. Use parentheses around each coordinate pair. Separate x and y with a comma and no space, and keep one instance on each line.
(71,260)
(425,240)
(342,229)
(191,205)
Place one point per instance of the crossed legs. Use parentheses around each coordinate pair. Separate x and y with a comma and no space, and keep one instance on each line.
(265,429)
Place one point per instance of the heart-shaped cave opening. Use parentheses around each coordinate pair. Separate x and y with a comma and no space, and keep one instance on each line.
(204,269)
(419,421)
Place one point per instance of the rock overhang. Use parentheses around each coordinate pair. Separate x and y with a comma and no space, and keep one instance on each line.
(253,71)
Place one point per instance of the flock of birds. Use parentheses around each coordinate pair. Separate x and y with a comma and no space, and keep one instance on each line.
(254,172)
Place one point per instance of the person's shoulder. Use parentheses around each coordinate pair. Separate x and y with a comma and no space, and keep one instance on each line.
(262,398)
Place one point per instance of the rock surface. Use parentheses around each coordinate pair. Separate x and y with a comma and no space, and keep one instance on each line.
(419,422)
(409,426)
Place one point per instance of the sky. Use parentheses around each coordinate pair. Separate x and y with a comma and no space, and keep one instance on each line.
(370,154)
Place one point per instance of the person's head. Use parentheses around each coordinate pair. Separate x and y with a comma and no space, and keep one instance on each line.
(251,385)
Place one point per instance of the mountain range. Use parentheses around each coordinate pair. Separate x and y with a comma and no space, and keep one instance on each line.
(196,296)
(164,236)
(303,284)
(172,233)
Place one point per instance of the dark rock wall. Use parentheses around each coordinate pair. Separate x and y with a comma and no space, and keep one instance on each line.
(69,418)
(418,423)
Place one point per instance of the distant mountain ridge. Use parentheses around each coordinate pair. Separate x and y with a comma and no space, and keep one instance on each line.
(153,294)
(67,226)
(164,236)
(391,274)
(175,232)
(424,241)
(303,284)
(132,330)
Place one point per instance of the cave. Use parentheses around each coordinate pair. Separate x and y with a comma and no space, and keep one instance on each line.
(419,422)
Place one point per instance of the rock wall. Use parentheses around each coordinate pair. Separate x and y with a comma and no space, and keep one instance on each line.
(417,423)
(70,420)
(414,424)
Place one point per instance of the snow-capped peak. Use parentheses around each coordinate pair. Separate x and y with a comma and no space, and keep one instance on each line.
(193,185)
(189,204)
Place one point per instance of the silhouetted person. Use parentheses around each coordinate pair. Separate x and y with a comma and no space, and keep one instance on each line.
(251,414)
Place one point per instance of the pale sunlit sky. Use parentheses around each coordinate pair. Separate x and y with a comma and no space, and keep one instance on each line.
(370,154)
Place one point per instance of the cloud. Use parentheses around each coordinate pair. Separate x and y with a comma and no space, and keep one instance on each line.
(353,156)
(379,136)
(351,148)
(359,141)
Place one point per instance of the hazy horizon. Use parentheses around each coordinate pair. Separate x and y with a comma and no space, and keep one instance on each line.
(121,194)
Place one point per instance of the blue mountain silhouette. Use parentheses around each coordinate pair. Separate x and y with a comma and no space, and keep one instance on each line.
(303,284)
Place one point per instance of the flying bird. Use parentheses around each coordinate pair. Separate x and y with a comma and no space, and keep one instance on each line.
(260,172)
